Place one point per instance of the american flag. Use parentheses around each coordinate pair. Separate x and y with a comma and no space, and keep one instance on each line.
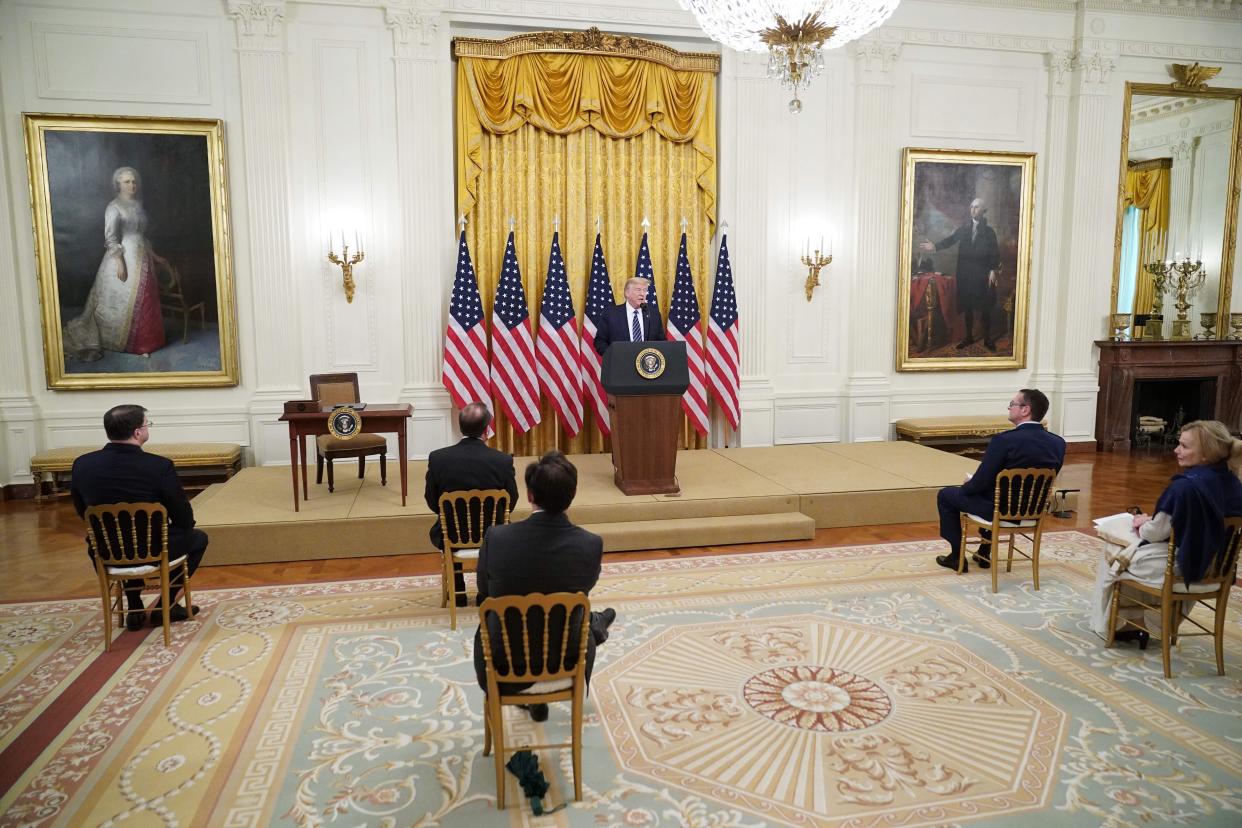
(560,368)
(513,351)
(465,373)
(722,340)
(599,299)
(642,270)
(683,326)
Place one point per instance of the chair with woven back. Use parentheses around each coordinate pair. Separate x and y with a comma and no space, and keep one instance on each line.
(1173,593)
(516,650)
(1020,504)
(342,389)
(129,543)
(464,517)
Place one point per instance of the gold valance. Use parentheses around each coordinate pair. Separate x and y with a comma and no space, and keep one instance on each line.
(620,87)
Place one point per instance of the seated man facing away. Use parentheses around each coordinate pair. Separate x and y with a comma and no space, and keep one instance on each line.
(121,472)
(470,464)
(544,553)
(1028,445)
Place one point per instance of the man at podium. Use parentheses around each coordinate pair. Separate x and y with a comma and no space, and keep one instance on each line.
(631,321)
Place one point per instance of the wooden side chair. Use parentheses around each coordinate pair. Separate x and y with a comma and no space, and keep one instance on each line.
(1214,586)
(130,545)
(464,517)
(173,298)
(1019,506)
(555,661)
(342,389)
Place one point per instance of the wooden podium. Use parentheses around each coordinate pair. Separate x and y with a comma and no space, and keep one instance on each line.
(644,408)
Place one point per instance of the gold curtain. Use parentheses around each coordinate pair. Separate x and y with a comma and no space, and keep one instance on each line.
(580,137)
(1147,189)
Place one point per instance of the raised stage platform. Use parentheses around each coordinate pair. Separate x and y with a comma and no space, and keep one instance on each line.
(743,495)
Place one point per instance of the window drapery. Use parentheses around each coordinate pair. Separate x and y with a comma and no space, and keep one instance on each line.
(580,137)
(1148,190)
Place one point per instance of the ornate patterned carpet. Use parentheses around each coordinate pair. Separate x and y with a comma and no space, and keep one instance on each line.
(849,686)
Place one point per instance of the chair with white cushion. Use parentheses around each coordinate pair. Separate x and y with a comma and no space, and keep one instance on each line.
(1174,593)
(129,542)
(464,517)
(1019,506)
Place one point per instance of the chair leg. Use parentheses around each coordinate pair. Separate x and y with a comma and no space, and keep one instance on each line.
(487,728)
(498,736)
(107,613)
(318,469)
(185,590)
(1218,633)
(1114,603)
(576,745)
(362,467)
(1166,620)
(167,613)
(996,558)
(1039,528)
(450,584)
(383,470)
(961,546)
(331,481)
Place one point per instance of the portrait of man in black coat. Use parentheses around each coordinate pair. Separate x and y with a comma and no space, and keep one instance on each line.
(978,257)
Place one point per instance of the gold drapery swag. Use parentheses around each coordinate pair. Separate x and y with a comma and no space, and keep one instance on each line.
(1148,190)
(580,137)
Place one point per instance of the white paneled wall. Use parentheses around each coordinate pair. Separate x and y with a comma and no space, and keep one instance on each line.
(338,115)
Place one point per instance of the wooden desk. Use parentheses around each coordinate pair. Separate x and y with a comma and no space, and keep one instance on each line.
(377,418)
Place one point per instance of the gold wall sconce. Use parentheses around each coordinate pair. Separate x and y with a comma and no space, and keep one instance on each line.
(815,262)
(346,262)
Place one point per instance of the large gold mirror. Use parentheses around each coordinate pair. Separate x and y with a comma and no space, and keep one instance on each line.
(1177,211)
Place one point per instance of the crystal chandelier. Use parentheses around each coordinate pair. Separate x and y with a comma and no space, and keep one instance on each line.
(795,33)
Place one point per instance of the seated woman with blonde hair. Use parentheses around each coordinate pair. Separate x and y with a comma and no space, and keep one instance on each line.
(1192,508)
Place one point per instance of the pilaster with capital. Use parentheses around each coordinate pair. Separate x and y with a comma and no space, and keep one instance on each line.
(260,28)
(1180,176)
(877,186)
(420,69)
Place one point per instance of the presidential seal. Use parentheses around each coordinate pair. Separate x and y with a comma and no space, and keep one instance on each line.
(344,423)
(650,363)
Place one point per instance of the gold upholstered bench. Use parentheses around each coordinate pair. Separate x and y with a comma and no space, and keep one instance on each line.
(58,463)
(962,431)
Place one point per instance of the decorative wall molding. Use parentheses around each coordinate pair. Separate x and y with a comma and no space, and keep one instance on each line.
(1007,101)
(1215,9)
(187,62)
(413,32)
(876,60)
(1145,48)
(260,23)
(1093,70)
(1060,64)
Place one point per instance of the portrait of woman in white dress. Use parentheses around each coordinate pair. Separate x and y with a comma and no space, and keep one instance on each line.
(122,312)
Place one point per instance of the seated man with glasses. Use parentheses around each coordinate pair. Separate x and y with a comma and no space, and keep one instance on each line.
(121,472)
(1028,445)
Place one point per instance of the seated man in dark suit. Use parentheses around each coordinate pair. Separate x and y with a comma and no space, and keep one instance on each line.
(470,464)
(121,472)
(631,321)
(544,553)
(1028,445)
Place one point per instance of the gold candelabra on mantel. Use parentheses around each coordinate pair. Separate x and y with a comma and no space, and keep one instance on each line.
(346,263)
(815,262)
(1183,276)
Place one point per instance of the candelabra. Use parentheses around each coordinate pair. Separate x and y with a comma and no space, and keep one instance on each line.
(815,262)
(346,263)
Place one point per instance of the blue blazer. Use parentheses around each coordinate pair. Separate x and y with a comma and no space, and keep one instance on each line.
(1028,446)
(615,326)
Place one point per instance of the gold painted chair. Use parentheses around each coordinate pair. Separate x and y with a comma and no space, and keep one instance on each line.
(559,672)
(130,546)
(173,299)
(464,517)
(1019,506)
(1214,586)
(342,389)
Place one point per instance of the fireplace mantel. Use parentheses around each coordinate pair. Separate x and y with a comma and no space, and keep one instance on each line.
(1124,363)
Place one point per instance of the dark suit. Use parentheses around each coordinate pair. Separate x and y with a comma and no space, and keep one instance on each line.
(470,464)
(124,473)
(1028,446)
(544,553)
(615,326)
(976,258)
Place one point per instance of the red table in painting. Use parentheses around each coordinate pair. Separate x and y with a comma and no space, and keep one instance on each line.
(377,418)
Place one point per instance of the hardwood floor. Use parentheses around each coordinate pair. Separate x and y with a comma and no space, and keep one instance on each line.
(42,551)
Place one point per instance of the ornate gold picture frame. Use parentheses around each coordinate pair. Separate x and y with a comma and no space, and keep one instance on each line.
(132,248)
(965,258)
